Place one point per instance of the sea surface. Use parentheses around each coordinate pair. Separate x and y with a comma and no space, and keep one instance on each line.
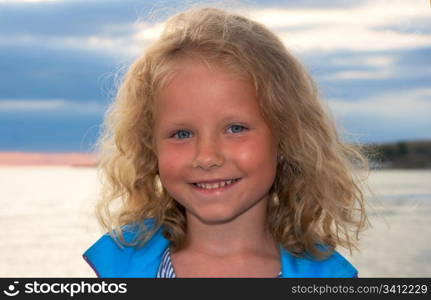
(47,223)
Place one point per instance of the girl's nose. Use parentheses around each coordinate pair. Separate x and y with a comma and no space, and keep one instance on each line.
(208,154)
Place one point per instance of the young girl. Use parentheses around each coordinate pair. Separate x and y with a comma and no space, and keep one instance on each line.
(220,162)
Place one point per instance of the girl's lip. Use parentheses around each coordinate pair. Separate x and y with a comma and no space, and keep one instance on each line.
(217,190)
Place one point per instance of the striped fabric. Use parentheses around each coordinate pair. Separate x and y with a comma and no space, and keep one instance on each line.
(166,270)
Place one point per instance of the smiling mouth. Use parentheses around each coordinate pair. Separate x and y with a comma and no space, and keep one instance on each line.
(216,185)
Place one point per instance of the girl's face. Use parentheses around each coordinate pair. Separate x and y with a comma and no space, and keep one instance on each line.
(209,131)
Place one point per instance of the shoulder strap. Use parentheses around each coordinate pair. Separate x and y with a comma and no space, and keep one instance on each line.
(335,266)
(108,259)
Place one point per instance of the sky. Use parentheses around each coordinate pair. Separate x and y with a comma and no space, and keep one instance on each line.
(61,61)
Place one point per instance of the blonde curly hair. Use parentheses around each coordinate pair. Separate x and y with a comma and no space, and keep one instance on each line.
(317,193)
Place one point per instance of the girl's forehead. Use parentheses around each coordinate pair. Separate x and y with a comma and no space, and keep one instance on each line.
(198,82)
(199,85)
(193,63)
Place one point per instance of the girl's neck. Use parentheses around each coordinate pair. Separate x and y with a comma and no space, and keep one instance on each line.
(246,233)
(240,247)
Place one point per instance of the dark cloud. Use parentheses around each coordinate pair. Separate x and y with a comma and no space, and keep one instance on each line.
(40,72)
(415,59)
(372,129)
(72,18)
(48,132)
(361,89)
(411,69)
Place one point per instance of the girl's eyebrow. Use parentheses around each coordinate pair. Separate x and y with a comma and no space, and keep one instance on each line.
(223,120)
(181,124)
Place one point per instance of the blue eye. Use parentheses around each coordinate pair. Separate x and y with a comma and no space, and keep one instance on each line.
(237,128)
(181,134)
(184,134)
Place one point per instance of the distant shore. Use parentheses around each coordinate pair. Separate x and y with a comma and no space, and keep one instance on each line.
(401,155)
(398,155)
(48,159)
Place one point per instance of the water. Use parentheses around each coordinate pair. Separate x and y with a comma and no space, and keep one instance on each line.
(398,244)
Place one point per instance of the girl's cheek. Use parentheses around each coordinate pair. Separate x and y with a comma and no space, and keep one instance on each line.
(171,157)
(251,149)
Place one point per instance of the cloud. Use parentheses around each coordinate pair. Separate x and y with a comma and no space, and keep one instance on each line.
(386,117)
(343,75)
(358,28)
(373,60)
(357,75)
(362,67)
(306,26)
(412,105)
(51,106)
(367,14)
(302,3)
(361,26)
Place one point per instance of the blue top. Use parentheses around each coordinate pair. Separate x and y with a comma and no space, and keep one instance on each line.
(110,260)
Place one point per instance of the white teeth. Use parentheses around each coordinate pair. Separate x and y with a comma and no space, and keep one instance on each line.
(214,185)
